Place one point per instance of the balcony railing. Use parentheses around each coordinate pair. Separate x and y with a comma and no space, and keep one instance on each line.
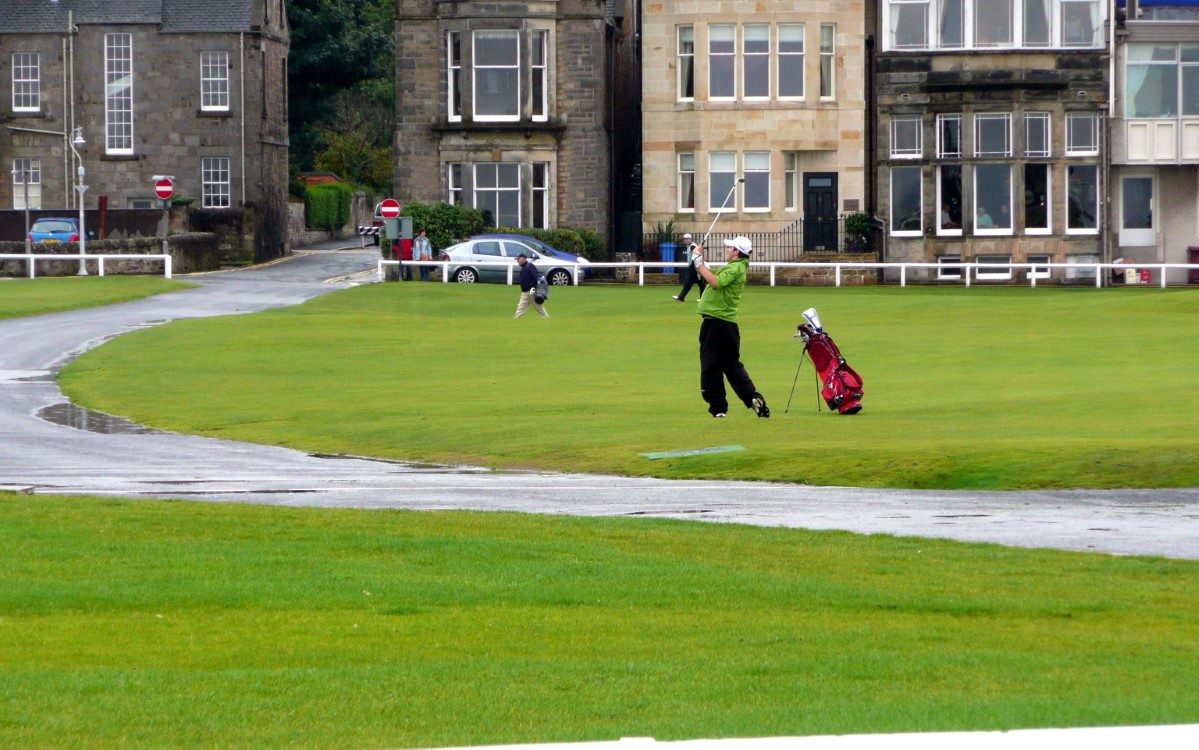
(786,245)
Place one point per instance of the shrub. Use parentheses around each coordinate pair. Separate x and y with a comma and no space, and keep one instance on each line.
(445,224)
(328,206)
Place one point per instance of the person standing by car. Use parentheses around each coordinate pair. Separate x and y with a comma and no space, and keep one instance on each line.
(528,288)
(693,276)
(719,335)
(422,250)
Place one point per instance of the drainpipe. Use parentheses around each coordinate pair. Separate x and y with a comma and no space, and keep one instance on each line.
(1107,119)
(70,109)
(241,41)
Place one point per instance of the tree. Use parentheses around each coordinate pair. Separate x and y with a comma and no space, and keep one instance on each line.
(336,46)
(354,141)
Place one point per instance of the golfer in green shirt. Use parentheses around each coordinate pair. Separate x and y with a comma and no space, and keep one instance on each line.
(719,336)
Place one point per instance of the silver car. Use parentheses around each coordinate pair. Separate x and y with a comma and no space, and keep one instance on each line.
(488,259)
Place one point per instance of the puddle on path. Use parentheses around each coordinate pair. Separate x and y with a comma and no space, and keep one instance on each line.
(70,415)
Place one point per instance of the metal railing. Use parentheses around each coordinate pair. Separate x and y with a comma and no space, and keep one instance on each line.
(970,272)
(786,244)
(78,258)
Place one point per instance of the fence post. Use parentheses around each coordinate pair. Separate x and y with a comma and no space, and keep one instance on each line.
(100,264)
(168,266)
(1098,276)
(772,267)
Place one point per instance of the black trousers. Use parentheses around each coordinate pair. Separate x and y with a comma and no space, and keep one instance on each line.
(693,278)
(720,358)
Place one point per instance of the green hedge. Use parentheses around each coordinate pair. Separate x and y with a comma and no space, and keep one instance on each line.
(445,224)
(328,206)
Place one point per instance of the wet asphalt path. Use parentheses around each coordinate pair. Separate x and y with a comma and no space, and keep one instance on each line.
(44,455)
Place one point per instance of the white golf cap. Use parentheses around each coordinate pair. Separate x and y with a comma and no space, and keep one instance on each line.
(742,243)
(687,236)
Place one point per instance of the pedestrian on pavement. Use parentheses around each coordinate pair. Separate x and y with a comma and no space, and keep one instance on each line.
(528,288)
(719,334)
(405,258)
(693,276)
(422,250)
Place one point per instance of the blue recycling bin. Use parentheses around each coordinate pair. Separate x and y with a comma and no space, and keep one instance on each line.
(668,251)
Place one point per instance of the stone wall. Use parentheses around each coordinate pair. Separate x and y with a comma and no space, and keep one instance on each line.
(190,253)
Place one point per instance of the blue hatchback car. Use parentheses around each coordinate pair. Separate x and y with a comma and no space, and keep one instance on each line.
(54,229)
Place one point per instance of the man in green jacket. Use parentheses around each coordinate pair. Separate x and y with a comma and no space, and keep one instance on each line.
(719,336)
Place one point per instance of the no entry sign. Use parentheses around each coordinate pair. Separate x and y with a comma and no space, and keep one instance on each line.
(389,208)
(164,188)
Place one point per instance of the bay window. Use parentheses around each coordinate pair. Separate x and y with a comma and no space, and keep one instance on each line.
(497,193)
(957,24)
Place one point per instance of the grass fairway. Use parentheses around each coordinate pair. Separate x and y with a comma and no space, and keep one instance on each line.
(20,297)
(992,388)
(176,624)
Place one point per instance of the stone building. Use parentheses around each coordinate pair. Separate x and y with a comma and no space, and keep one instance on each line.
(154,87)
(772,92)
(509,107)
(992,123)
(1155,135)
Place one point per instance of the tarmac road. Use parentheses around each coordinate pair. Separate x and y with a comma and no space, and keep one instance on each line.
(71,451)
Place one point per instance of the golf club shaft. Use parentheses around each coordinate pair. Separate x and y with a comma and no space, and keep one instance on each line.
(738,181)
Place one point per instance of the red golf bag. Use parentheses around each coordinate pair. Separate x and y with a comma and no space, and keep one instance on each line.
(840,384)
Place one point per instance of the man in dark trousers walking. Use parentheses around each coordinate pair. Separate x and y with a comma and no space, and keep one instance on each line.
(528,288)
(719,335)
(693,276)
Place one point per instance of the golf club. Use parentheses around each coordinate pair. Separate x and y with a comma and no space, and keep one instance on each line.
(722,205)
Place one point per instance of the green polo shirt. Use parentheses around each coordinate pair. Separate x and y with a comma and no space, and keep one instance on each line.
(723,300)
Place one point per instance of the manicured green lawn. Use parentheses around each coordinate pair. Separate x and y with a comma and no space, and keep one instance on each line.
(965,388)
(19,297)
(176,624)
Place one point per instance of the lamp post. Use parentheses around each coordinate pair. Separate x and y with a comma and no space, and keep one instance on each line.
(23,173)
(81,188)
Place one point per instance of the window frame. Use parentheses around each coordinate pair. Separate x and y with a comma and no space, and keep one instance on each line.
(943,231)
(453,181)
(995,230)
(726,58)
(987,117)
(118,121)
(946,272)
(29,170)
(1072,146)
(992,274)
(902,129)
(758,175)
(453,76)
(761,59)
(510,167)
(791,174)
(1037,271)
(540,105)
(1048,228)
(1137,236)
(894,17)
(515,75)
(214,89)
(929,20)
(216,192)
(905,169)
(540,192)
(686,178)
(1046,126)
(794,61)
(712,180)
(1095,204)
(828,56)
(26,81)
(684,89)
(954,119)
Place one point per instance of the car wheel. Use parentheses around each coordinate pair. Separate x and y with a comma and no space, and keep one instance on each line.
(559,277)
(466,276)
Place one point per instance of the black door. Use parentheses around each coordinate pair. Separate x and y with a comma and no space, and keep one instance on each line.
(820,211)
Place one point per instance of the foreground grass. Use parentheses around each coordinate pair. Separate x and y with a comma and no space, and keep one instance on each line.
(991,388)
(172,624)
(20,297)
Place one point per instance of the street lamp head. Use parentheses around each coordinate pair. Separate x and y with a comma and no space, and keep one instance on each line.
(79,137)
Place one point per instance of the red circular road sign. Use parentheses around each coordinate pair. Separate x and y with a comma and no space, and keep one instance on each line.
(389,208)
(164,189)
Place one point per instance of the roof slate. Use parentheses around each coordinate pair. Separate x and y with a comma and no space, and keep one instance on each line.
(48,16)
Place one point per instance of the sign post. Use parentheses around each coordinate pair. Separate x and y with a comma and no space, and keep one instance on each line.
(164,188)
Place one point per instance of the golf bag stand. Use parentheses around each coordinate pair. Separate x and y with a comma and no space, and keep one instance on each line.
(840,384)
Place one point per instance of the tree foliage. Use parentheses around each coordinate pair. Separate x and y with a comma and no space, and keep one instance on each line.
(346,48)
(445,224)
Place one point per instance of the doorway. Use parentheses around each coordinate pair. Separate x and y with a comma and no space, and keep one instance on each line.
(820,212)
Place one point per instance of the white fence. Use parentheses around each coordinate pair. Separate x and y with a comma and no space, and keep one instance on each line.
(966,272)
(31,260)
